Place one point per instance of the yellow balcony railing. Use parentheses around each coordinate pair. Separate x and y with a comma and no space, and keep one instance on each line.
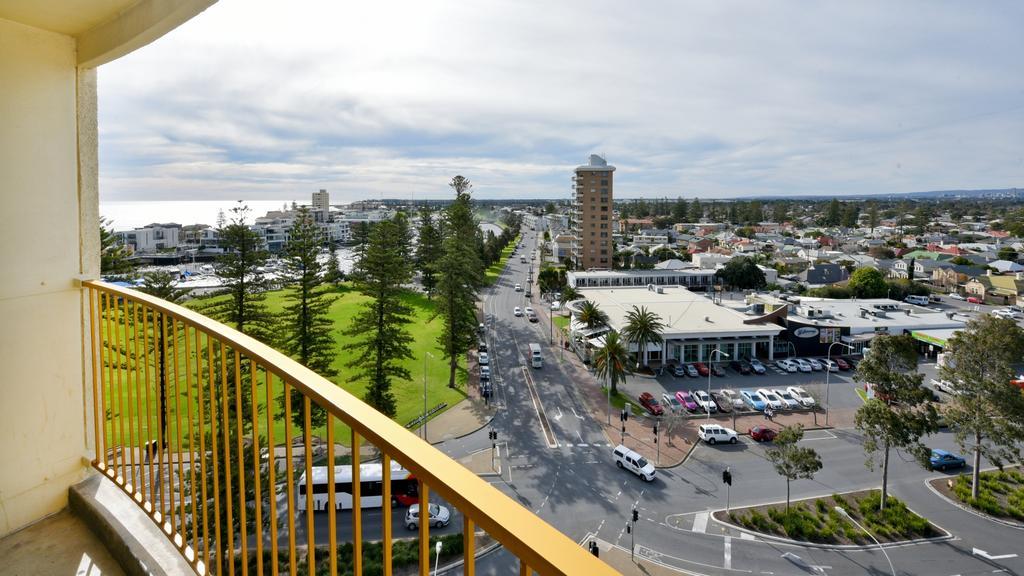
(189,418)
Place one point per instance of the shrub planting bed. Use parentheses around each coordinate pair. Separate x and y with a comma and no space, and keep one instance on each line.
(1001,493)
(817,521)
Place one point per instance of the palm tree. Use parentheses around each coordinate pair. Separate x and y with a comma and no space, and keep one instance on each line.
(643,328)
(569,293)
(591,316)
(611,362)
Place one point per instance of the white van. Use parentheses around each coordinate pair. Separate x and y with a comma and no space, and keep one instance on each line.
(919,300)
(536,360)
(635,463)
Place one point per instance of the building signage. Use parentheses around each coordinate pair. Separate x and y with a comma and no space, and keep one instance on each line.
(805,332)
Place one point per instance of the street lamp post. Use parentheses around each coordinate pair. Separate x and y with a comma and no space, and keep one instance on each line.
(437,550)
(828,371)
(842,512)
(710,367)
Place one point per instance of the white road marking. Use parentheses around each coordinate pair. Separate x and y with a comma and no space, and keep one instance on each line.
(574,413)
(559,415)
(700,522)
(746,536)
(728,554)
(987,556)
(580,437)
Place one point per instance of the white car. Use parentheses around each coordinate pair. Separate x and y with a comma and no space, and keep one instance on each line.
(802,365)
(519,287)
(956,296)
(816,364)
(439,516)
(517,311)
(713,434)
(483,359)
(770,399)
(787,365)
(556,305)
(830,364)
(528,310)
(945,386)
(1006,313)
(787,398)
(801,396)
(704,401)
(485,372)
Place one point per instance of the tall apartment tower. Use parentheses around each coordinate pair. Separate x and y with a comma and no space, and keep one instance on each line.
(321,206)
(592,215)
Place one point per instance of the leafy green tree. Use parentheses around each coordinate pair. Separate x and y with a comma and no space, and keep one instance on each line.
(987,416)
(791,461)
(380,337)
(742,272)
(867,282)
(460,274)
(679,210)
(850,215)
(428,251)
(1007,253)
(550,208)
(113,254)
(306,325)
(833,215)
(332,269)
(696,211)
(643,328)
(590,315)
(241,303)
(611,361)
(900,413)
(780,212)
(403,233)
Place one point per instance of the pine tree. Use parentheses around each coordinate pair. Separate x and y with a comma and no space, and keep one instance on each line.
(428,251)
(332,269)
(306,334)
(113,254)
(696,211)
(379,334)
(460,274)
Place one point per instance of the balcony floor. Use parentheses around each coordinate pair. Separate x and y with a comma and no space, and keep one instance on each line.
(61,545)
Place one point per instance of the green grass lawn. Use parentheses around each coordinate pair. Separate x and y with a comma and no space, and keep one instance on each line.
(425,328)
(491,276)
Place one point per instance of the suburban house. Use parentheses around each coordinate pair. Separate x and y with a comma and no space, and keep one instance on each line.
(997,289)
(954,275)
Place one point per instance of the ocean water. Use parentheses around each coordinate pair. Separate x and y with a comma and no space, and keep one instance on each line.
(126,215)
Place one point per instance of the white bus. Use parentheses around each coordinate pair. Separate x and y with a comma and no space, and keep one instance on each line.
(404,488)
(536,360)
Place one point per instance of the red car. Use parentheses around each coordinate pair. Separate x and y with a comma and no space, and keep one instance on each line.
(974,300)
(650,403)
(762,433)
(843,365)
(702,368)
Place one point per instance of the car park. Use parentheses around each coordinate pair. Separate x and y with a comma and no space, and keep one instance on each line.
(732,398)
(786,365)
(686,400)
(672,402)
(439,516)
(816,365)
(770,399)
(752,400)
(714,434)
(702,369)
(650,403)
(801,396)
(634,462)
(739,366)
(843,365)
(761,434)
(707,405)
(691,371)
(756,366)
(802,365)
(830,365)
(942,460)
(788,400)
(717,370)
(483,359)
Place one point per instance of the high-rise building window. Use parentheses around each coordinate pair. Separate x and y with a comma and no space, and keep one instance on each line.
(604,182)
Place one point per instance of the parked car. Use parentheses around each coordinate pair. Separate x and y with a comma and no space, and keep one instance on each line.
(731,398)
(787,365)
(802,365)
(740,366)
(974,300)
(528,310)
(672,402)
(770,399)
(650,403)
(517,311)
(942,460)
(704,401)
(851,362)
(481,346)
(956,296)
(686,400)
(761,434)
(787,399)
(439,516)
(843,365)
(830,364)
(702,369)
(723,403)
(752,400)
(691,371)
(816,365)
(532,317)
(1006,313)
(801,396)
(713,434)
(756,366)
(519,288)
(635,463)
(717,370)
(485,372)
(945,386)
(482,359)
(678,370)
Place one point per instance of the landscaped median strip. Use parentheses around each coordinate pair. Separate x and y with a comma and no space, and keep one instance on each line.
(940,486)
(772,520)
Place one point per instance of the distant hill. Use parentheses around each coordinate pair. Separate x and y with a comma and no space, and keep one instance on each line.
(1004,193)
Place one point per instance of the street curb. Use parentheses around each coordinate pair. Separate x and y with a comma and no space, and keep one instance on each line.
(683,461)
(474,431)
(483,552)
(966,508)
(768,537)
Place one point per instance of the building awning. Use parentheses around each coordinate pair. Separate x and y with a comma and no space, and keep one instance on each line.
(859,338)
(936,337)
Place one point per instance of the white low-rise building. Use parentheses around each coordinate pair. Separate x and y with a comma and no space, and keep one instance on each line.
(152,238)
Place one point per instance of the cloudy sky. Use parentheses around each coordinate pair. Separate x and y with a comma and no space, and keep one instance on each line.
(262,99)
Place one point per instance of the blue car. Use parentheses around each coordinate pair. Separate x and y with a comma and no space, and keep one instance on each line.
(752,400)
(942,460)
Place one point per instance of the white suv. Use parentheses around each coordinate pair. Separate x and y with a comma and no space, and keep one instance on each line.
(713,434)
(635,463)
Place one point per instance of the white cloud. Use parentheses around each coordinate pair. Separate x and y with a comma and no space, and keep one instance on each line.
(712,99)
